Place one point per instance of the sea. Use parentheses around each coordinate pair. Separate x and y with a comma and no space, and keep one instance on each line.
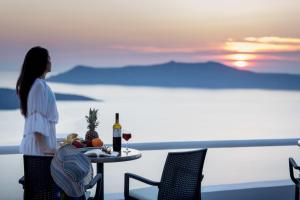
(155,114)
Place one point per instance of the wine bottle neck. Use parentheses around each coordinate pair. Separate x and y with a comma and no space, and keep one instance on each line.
(117,118)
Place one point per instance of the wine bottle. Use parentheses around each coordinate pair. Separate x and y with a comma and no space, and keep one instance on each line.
(117,129)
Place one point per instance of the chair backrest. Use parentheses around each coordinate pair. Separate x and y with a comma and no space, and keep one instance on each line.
(38,180)
(182,175)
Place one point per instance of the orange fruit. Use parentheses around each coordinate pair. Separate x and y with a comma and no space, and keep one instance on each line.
(97,142)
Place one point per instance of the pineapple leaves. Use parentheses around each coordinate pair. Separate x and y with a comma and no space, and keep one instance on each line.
(92,119)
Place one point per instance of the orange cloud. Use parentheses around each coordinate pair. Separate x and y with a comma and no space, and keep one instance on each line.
(252,47)
(263,44)
(273,40)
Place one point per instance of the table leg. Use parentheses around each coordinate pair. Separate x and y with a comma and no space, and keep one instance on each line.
(99,195)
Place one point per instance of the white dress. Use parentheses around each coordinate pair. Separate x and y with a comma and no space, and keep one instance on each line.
(42,117)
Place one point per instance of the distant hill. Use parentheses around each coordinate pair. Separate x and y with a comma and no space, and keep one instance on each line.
(9,99)
(210,75)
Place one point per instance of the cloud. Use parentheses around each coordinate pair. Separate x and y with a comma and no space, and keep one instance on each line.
(247,45)
(156,49)
(263,44)
(273,39)
(250,49)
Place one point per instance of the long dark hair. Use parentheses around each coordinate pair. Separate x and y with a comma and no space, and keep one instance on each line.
(34,66)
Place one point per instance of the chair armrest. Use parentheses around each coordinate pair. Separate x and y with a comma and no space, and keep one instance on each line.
(142,179)
(22,181)
(136,177)
(96,179)
(293,163)
(292,166)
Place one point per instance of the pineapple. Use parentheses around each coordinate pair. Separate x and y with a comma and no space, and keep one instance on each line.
(92,125)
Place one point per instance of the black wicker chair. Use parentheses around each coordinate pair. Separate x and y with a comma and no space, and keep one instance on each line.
(292,166)
(181,177)
(37,180)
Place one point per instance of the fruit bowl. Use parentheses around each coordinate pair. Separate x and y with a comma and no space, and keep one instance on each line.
(73,139)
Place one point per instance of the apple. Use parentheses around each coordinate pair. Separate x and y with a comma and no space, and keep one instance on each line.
(77,144)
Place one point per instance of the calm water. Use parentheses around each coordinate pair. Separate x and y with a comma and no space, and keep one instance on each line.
(157,114)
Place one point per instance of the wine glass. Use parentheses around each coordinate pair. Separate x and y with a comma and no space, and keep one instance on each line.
(126,136)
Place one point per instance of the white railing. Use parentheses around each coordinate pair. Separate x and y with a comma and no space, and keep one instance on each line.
(192,144)
(275,189)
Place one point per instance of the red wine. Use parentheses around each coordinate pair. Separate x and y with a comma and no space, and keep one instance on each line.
(126,136)
(117,144)
(117,129)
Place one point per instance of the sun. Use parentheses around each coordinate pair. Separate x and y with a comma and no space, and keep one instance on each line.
(241,64)
(241,57)
(239,60)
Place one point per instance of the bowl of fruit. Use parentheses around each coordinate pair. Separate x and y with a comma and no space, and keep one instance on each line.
(73,139)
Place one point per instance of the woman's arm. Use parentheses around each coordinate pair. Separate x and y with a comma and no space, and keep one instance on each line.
(40,138)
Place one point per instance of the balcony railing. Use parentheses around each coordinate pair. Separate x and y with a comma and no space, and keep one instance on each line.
(191,144)
(275,189)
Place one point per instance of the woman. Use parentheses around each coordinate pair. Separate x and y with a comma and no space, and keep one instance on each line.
(38,104)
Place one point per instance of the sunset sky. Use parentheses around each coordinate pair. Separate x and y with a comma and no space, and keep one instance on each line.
(259,35)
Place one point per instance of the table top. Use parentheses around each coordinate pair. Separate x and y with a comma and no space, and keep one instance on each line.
(132,155)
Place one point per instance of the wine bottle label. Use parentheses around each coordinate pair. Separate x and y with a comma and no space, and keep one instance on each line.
(116,132)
